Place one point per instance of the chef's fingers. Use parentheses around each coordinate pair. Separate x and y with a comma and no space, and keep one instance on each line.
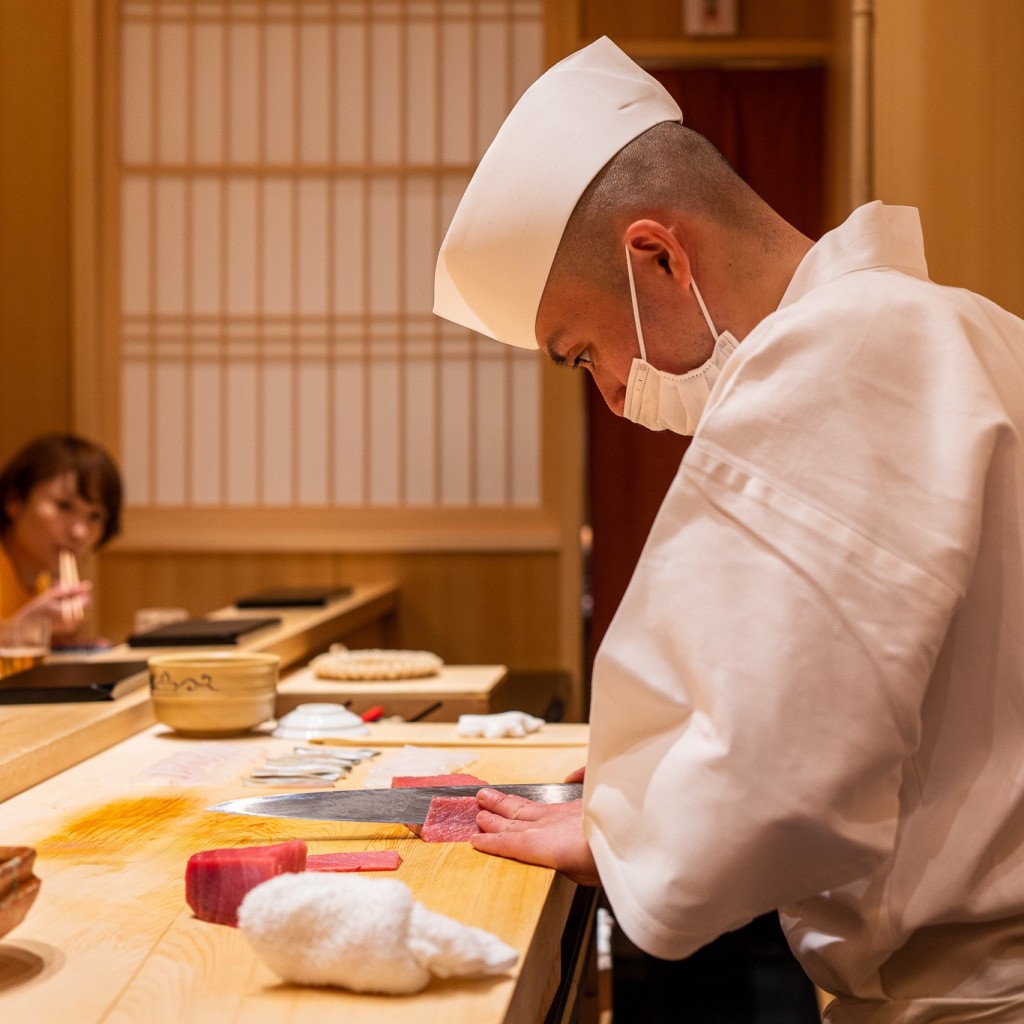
(576,776)
(508,806)
(499,824)
(555,843)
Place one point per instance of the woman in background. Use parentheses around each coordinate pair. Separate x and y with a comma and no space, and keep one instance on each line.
(59,493)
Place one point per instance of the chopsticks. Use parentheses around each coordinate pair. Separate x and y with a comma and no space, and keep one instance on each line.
(71,609)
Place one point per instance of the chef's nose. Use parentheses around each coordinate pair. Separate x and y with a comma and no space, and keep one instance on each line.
(612,391)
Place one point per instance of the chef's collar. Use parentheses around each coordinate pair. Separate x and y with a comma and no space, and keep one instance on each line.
(495,259)
(874,235)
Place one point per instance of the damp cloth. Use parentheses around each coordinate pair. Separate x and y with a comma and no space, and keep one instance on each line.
(362,934)
(503,723)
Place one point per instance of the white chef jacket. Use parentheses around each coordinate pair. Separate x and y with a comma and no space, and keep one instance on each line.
(812,695)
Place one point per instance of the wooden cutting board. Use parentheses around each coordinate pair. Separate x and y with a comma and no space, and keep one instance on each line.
(112,940)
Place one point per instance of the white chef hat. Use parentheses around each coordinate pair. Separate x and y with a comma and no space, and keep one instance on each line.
(495,259)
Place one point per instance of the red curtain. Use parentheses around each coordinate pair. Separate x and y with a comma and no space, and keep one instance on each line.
(769,125)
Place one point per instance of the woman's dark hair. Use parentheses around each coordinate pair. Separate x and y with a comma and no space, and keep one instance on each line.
(53,455)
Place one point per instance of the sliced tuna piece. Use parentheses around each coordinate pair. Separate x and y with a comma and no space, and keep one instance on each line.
(402,781)
(362,860)
(451,819)
(217,880)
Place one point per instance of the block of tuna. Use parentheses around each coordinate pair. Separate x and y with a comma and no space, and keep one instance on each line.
(451,819)
(217,880)
(361,860)
(401,781)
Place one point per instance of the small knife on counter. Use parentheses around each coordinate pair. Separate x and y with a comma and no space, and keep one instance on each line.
(408,805)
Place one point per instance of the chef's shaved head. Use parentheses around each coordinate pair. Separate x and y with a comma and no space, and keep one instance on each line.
(667,168)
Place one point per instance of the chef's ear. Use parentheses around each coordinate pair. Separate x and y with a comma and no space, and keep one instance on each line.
(653,247)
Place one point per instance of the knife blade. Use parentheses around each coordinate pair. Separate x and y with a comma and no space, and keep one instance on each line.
(405,805)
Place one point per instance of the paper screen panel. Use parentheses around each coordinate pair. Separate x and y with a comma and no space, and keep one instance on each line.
(287,172)
(208,117)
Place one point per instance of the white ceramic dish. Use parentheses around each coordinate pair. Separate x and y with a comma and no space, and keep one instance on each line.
(320,721)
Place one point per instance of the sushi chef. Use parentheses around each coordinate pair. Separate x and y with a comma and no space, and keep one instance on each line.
(812,695)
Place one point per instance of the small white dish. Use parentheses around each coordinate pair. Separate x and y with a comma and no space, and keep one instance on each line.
(320,721)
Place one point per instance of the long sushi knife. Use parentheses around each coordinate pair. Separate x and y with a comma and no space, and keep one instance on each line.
(405,805)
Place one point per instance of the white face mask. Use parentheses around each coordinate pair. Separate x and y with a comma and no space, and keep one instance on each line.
(668,401)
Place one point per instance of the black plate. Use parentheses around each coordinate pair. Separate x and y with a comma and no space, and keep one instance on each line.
(199,632)
(293,597)
(71,682)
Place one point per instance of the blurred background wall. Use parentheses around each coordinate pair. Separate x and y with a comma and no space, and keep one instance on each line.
(947,137)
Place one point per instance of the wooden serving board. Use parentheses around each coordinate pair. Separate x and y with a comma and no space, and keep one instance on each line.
(443,734)
(110,938)
(455,690)
(454,680)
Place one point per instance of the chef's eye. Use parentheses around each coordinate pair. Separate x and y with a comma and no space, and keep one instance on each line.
(583,359)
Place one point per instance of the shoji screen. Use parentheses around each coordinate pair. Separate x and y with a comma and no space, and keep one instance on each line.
(285,172)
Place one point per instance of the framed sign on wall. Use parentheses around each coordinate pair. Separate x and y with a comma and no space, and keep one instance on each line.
(710,17)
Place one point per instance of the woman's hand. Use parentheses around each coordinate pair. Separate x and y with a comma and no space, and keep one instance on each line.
(64,606)
(550,835)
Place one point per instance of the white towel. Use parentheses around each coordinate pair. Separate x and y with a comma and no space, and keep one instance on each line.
(503,723)
(363,934)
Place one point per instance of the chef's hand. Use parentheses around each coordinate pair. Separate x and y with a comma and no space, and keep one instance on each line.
(550,835)
(64,606)
(576,776)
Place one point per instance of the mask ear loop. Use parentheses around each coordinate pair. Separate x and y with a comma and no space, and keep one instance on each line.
(703,308)
(636,308)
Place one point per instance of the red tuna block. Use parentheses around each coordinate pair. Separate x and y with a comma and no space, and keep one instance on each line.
(216,881)
(364,860)
(451,819)
(403,781)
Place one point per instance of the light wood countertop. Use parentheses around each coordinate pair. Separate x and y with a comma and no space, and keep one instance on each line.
(110,938)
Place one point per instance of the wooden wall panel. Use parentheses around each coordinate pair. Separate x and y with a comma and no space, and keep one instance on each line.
(949,137)
(838,140)
(470,608)
(35,355)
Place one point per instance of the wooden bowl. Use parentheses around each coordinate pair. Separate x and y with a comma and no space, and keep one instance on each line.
(18,886)
(219,693)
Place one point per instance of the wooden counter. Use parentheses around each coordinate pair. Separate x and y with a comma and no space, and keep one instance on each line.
(39,740)
(110,938)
